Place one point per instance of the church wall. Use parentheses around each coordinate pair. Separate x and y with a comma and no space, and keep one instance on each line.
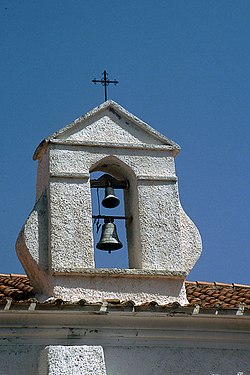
(42,177)
(24,359)
(79,159)
(176,361)
(18,359)
(70,221)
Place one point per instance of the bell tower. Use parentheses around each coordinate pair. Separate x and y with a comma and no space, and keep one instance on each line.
(55,245)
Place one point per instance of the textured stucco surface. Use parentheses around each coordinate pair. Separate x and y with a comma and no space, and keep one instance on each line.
(34,233)
(160,226)
(160,236)
(42,177)
(136,289)
(105,128)
(32,246)
(117,112)
(158,206)
(158,203)
(71,240)
(140,360)
(72,360)
(66,159)
(190,241)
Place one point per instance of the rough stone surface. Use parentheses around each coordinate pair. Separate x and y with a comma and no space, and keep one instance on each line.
(159,246)
(190,241)
(71,237)
(105,128)
(72,360)
(160,227)
(162,290)
(120,114)
(160,236)
(75,160)
(42,177)
(32,246)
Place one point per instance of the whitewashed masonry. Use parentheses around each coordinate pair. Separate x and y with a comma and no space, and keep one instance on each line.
(55,245)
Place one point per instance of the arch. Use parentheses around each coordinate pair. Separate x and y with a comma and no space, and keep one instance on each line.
(114,166)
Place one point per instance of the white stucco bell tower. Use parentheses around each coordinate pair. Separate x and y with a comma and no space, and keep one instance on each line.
(55,245)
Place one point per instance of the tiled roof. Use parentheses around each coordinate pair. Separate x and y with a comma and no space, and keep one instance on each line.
(16,287)
(218,295)
(206,295)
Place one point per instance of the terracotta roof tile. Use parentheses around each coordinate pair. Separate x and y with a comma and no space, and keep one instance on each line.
(204,294)
(16,287)
(220,295)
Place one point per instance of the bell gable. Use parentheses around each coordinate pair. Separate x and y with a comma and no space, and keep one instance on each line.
(111,124)
(56,245)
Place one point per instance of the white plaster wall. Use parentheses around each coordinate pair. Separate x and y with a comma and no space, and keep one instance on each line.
(18,359)
(176,361)
(33,236)
(133,227)
(157,240)
(160,226)
(124,360)
(191,242)
(79,159)
(135,288)
(72,360)
(105,129)
(42,178)
(70,214)
(108,126)
(156,222)
(154,240)
(32,246)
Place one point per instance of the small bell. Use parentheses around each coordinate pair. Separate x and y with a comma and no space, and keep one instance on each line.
(109,240)
(110,200)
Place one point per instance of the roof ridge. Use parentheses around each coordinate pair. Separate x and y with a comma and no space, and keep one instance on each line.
(13,275)
(215,283)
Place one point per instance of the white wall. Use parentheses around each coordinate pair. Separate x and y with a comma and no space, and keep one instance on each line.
(18,359)
(23,360)
(176,361)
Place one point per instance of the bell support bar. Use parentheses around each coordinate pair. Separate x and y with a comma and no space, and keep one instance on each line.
(112,217)
(115,184)
(108,180)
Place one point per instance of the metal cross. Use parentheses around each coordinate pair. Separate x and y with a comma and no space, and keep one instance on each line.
(105,82)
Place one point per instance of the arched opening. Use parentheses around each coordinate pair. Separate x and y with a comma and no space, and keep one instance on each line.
(123,180)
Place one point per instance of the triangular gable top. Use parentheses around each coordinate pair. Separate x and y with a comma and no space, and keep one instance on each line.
(114,110)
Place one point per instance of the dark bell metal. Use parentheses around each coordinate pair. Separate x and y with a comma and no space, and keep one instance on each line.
(110,200)
(109,240)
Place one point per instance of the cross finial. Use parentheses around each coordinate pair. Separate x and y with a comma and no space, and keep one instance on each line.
(105,82)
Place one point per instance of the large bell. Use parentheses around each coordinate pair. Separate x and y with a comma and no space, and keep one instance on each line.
(109,240)
(110,200)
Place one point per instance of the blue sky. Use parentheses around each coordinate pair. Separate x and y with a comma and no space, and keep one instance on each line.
(182,66)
